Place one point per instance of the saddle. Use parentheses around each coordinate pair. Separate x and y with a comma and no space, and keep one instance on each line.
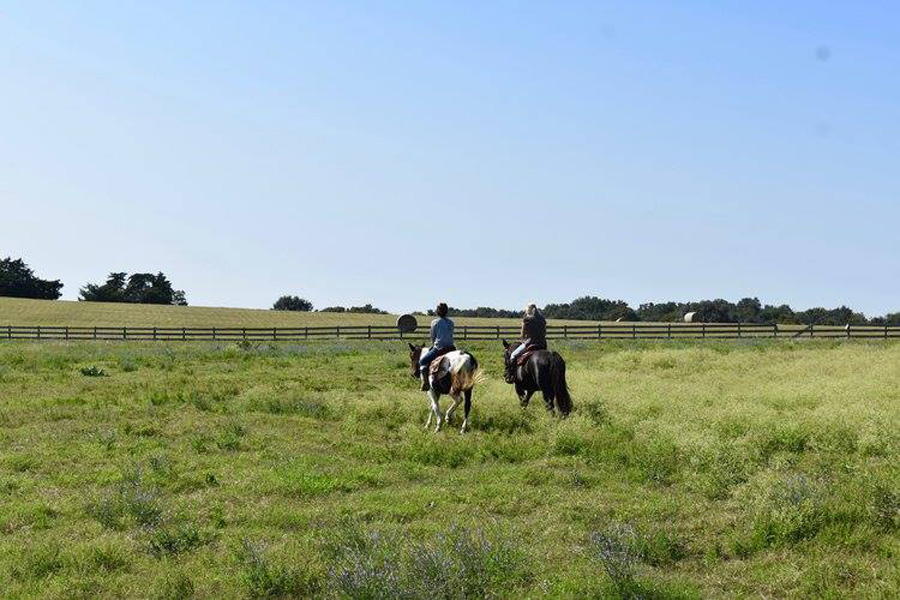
(439,367)
(529,350)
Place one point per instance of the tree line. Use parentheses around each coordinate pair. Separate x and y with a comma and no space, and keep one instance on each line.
(18,280)
(746,310)
(296,303)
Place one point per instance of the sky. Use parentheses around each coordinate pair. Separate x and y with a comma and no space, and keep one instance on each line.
(482,153)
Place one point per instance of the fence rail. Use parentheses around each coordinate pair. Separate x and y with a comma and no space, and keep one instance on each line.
(616,331)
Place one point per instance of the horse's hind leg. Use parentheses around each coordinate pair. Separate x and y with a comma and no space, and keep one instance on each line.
(467,407)
(549,397)
(456,399)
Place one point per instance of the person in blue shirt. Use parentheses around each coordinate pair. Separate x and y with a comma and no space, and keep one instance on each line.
(441,341)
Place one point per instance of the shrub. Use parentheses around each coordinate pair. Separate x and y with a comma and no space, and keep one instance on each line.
(131,498)
(791,511)
(262,578)
(365,565)
(615,549)
(169,541)
(457,564)
(294,303)
(230,438)
(465,563)
(93,371)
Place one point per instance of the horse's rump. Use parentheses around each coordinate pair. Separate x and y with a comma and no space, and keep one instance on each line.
(458,367)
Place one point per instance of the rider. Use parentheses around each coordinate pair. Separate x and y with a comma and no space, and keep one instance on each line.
(534,337)
(441,341)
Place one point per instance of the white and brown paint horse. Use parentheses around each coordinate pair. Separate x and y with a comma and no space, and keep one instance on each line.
(457,377)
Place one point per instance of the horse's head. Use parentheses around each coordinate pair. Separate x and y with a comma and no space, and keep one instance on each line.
(415,353)
(507,350)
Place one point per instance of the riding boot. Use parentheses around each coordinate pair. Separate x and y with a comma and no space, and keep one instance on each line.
(425,385)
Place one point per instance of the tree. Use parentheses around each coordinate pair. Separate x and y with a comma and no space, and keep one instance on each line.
(140,288)
(591,308)
(19,281)
(294,303)
(748,310)
(368,308)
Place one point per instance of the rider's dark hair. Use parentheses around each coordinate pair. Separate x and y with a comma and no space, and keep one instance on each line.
(442,309)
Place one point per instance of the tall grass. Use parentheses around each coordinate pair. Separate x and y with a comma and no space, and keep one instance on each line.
(686,469)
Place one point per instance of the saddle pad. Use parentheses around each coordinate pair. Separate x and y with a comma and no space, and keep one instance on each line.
(439,367)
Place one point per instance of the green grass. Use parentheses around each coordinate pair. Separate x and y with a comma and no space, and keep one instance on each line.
(24,312)
(686,470)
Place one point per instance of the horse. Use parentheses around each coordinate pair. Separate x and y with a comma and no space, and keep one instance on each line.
(543,371)
(457,380)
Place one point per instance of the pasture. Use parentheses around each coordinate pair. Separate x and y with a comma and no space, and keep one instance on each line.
(20,311)
(688,469)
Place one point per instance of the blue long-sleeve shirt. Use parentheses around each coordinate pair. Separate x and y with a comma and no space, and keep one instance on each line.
(442,332)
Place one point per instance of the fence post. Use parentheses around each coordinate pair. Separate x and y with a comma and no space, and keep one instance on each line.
(9,332)
(633,331)
(305,333)
(370,332)
(95,332)
(124,333)
(67,333)
(669,331)
(183,334)
(885,331)
(599,330)
(812,329)
(154,334)
(214,334)
(565,332)
(38,332)
(274,334)
(338,330)
(848,330)
(775,330)
(465,332)
(703,329)
(498,332)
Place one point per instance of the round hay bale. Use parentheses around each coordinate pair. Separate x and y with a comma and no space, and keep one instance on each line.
(689,317)
(407,323)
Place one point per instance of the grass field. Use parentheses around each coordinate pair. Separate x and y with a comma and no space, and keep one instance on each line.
(687,470)
(17,311)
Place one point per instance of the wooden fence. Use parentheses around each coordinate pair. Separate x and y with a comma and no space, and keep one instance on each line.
(612,331)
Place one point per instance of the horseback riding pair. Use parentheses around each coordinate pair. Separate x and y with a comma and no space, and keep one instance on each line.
(529,366)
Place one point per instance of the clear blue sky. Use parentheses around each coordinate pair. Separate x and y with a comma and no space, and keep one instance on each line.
(644,151)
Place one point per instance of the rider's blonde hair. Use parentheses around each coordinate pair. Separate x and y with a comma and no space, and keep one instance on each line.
(530,310)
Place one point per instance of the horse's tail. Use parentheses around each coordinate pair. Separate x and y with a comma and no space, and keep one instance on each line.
(558,381)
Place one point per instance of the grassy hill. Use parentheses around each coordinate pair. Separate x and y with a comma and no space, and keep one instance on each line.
(17,311)
(717,470)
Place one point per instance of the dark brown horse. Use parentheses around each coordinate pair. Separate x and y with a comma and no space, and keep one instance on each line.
(543,371)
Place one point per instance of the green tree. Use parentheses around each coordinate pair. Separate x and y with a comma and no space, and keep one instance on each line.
(19,281)
(294,303)
(139,288)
